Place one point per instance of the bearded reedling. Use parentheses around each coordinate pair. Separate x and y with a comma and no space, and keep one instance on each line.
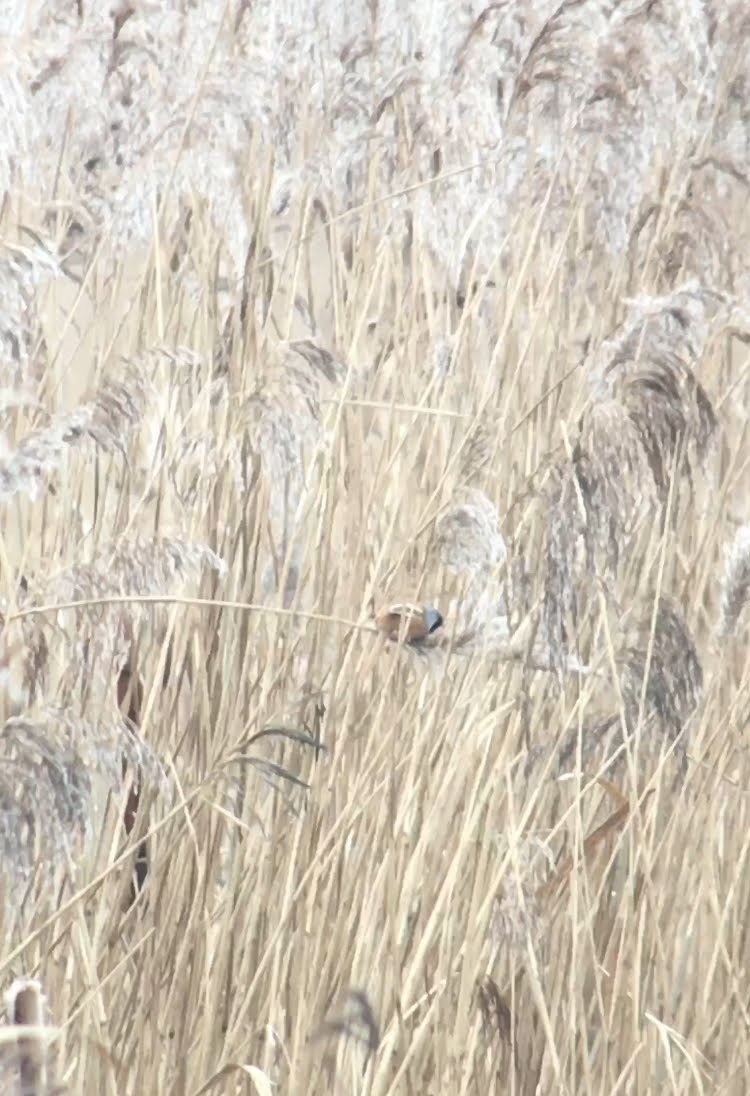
(412,623)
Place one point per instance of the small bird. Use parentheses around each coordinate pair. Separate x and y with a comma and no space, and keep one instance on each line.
(413,623)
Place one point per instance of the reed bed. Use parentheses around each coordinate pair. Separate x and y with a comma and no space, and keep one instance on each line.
(306,311)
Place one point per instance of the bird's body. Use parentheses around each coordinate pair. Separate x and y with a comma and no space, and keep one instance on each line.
(412,623)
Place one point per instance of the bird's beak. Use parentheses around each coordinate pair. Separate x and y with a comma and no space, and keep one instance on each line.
(433,620)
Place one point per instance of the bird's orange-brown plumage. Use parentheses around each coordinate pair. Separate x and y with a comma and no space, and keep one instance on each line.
(412,622)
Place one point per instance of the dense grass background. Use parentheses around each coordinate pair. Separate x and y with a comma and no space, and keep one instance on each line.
(304,312)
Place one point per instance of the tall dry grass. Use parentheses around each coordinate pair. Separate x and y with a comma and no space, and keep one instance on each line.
(304,312)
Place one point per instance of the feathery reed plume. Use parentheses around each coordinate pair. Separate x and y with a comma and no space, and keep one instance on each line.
(23,659)
(101,634)
(468,537)
(199,461)
(595,502)
(614,480)
(114,411)
(283,421)
(479,618)
(52,759)
(649,416)
(284,411)
(735,587)
(138,567)
(22,272)
(668,655)
(469,543)
(648,366)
